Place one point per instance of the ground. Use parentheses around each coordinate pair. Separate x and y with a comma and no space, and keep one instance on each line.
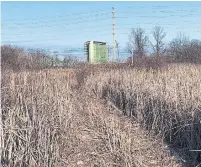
(104,137)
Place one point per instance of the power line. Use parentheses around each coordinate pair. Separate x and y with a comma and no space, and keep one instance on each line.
(64,19)
(57,39)
(54,28)
(66,29)
(68,23)
(127,17)
(63,15)
(68,32)
(179,7)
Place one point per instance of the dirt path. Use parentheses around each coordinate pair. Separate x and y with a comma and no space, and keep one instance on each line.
(102,137)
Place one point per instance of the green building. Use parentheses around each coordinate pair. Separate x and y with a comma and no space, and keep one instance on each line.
(96,52)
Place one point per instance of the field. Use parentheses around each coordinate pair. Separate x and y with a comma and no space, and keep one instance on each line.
(102,117)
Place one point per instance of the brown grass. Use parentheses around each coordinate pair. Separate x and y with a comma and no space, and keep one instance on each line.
(57,118)
(166,101)
(37,110)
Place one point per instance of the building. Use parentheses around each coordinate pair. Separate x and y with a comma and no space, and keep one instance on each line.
(96,52)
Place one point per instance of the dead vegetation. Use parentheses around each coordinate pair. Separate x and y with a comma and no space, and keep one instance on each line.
(66,118)
(37,110)
(166,102)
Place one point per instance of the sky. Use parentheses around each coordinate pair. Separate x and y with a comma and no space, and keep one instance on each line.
(64,26)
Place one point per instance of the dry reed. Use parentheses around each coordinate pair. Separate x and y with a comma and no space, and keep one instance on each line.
(164,101)
(36,111)
(51,118)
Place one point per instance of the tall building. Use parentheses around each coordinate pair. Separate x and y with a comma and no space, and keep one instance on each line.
(96,52)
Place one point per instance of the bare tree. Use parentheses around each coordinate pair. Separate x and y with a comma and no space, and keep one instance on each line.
(195,50)
(38,58)
(178,46)
(70,61)
(138,42)
(159,35)
(182,49)
(12,57)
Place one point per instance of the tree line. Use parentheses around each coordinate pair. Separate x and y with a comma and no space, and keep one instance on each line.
(180,49)
(17,59)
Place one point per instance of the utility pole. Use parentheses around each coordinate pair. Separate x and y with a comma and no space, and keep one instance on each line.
(114,34)
(117,46)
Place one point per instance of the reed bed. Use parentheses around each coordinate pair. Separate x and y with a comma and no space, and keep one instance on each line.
(51,117)
(165,101)
(37,111)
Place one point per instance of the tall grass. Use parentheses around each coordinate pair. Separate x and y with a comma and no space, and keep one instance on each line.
(51,118)
(166,101)
(37,109)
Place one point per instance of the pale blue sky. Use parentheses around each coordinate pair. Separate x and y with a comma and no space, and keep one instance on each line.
(70,24)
